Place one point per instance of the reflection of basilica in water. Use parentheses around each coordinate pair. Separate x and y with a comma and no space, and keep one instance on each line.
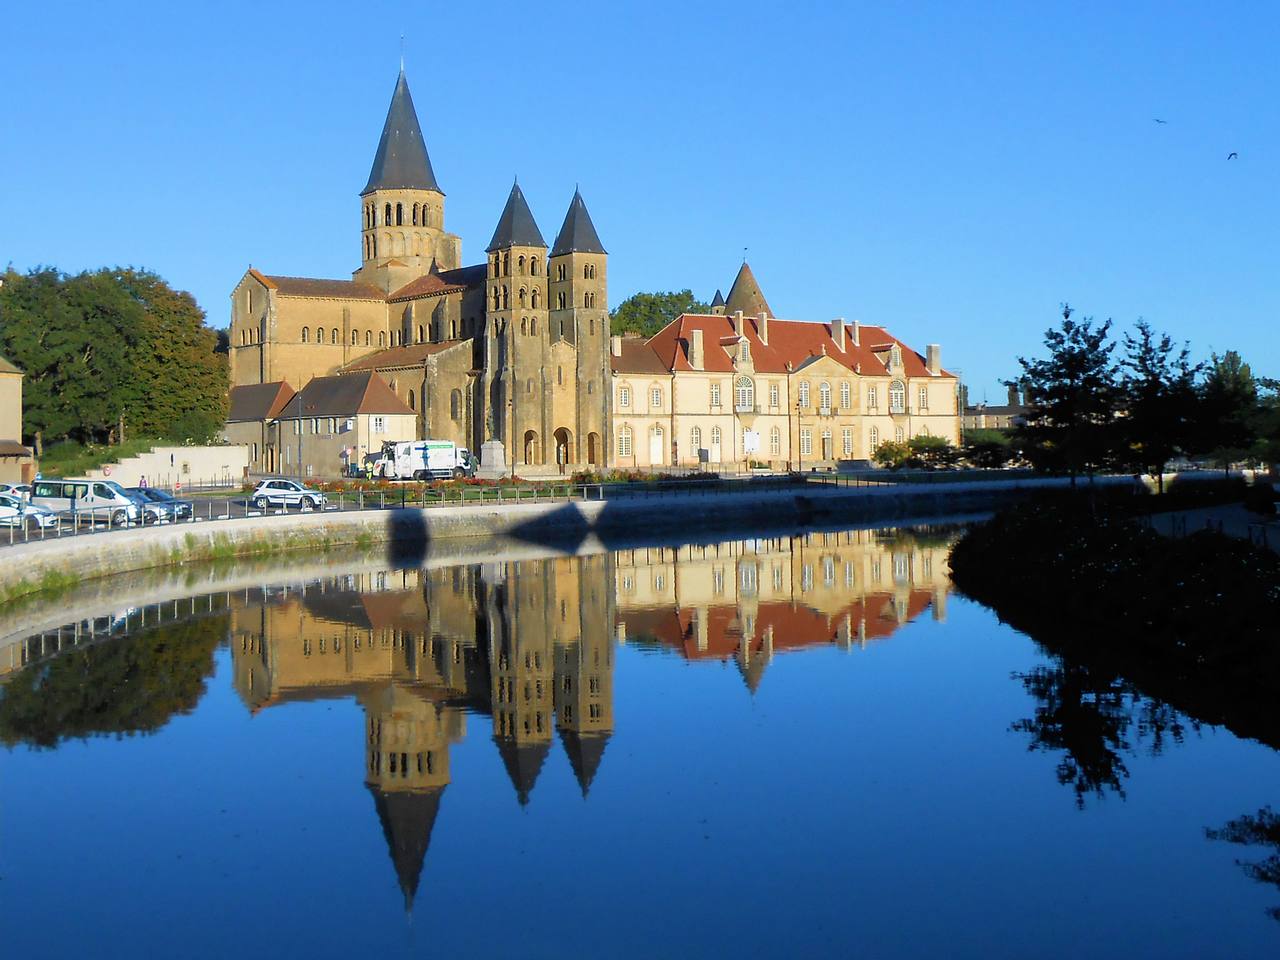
(530,645)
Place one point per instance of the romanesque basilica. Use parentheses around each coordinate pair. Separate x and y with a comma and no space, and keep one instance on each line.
(514,349)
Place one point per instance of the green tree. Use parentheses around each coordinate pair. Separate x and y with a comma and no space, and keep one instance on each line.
(931,452)
(987,448)
(1072,396)
(110,348)
(647,313)
(1229,404)
(892,453)
(1159,398)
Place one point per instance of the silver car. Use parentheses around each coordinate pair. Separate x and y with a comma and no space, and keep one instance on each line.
(286,493)
(16,512)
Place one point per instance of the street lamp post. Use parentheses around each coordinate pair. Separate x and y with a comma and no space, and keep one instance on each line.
(799,435)
(299,427)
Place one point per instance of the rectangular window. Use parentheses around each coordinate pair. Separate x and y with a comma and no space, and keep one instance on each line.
(624,443)
(871,397)
(806,442)
(846,441)
(715,394)
(655,398)
(624,396)
(775,442)
(844,395)
(924,398)
(379,425)
(773,394)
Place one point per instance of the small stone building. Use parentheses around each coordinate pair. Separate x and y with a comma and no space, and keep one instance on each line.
(16,465)
(251,422)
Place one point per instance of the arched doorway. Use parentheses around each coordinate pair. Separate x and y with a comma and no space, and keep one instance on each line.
(593,449)
(530,446)
(563,444)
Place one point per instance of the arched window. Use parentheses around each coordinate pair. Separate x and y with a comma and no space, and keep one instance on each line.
(319,334)
(715,437)
(899,434)
(523,293)
(382,338)
(528,385)
(412,401)
(374,238)
(505,301)
(524,326)
(844,394)
(455,404)
(520,264)
(306,335)
(804,393)
(535,299)
(506,264)
(355,338)
(559,376)
(496,264)
(624,441)
(399,214)
(746,394)
(824,395)
(335,338)
(533,326)
(592,325)
(897,397)
(775,442)
(415,214)
(875,439)
(695,440)
(586,271)
(497,299)
(244,338)
(386,215)
(560,300)
(367,335)
(533,266)
(420,332)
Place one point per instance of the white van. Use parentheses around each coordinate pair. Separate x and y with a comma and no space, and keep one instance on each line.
(97,501)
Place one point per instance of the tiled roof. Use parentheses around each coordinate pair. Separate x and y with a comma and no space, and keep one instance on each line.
(637,357)
(745,294)
(401,162)
(12,448)
(577,233)
(346,396)
(431,285)
(408,356)
(516,226)
(472,276)
(793,342)
(315,287)
(258,401)
(7,367)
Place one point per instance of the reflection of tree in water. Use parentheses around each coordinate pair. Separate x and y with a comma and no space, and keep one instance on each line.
(1094,720)
(1261,830)
(131,685)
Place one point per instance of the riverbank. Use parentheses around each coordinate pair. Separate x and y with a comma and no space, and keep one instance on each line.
(1191,621)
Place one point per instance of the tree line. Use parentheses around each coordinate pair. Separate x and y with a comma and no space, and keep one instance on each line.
(109,351)
(1135,404)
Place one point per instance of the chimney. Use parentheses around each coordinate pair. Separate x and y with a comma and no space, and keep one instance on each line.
(1014,400)
(737,323)
(615,346)
(837,333)
(853,333)
(933,359)
(763,327)
(695,349)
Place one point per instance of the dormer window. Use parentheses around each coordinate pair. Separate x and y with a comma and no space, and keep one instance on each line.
(744,351)
(895,356)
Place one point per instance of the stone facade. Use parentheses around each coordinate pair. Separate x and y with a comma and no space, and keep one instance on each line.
(734,389)
(15,459)
(517,344)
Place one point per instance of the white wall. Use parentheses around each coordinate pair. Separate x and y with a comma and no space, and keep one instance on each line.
(192,466)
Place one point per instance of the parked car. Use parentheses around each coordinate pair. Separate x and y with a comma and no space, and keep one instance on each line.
(98,501)
(286,493)
(22,490)
(151,512)
(16,512)
(177,509)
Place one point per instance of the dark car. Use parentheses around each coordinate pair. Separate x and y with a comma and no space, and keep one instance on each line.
(177,509)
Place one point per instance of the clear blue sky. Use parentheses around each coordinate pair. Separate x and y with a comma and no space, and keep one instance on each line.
(952,171)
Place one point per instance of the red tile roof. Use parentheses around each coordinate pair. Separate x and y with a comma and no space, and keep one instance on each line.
(408,356)
(258,401)
(345,396)
(314,287)
(791,342)
(637,357)
(431,285)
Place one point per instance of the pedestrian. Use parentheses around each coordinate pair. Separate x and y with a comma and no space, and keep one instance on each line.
(142,482)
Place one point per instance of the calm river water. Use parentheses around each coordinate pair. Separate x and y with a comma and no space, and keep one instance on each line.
(757,748)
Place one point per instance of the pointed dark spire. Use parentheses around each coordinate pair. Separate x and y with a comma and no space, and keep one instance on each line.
(577,233)
(407,820)
(401,162)
(516,227)
(718,299)
(585,751)
(745,295)
(523,762)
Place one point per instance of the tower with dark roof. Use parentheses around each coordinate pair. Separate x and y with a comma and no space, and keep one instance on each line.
(402,233)
(518,339)
(745,295)
(579,300)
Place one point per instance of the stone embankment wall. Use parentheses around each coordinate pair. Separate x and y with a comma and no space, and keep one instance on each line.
(404,534)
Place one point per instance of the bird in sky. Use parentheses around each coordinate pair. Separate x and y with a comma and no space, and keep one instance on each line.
(1233,155)
(1158,120)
